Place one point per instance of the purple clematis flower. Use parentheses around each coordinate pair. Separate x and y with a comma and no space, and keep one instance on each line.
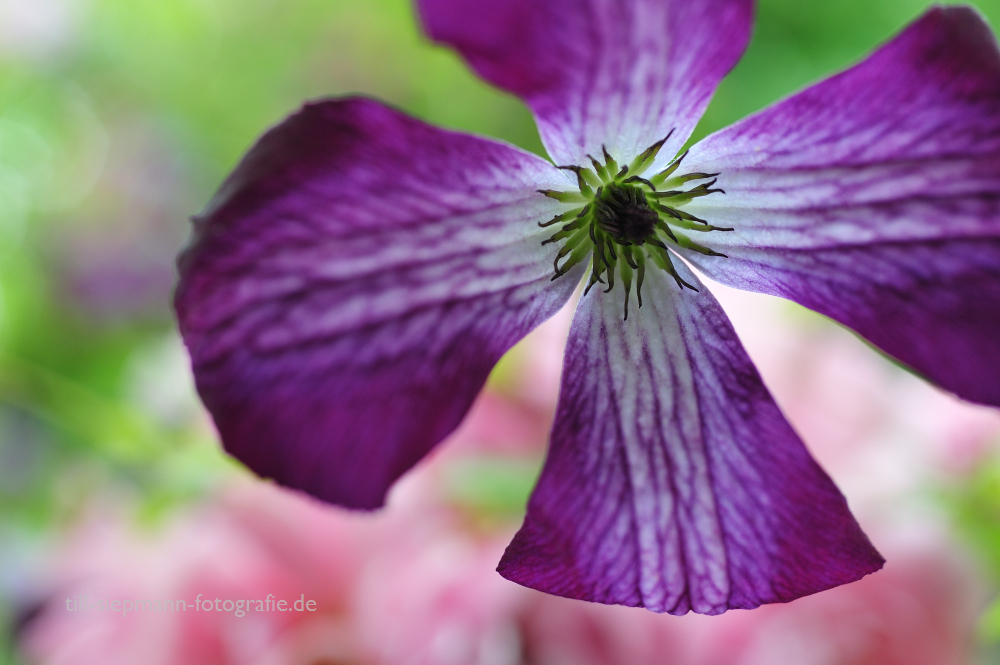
(351,285)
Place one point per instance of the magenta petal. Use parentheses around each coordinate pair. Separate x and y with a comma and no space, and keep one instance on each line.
(351,286)
(621,73)
(874,198)
(673,482)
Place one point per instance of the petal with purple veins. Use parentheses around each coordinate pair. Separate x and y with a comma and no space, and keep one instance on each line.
(352,284)
(874,198)
(673,481)
(600,71)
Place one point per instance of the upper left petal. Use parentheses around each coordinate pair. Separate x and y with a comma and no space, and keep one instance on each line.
(352,284)
(618,72)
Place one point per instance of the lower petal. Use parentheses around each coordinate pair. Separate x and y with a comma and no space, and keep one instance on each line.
(673,481)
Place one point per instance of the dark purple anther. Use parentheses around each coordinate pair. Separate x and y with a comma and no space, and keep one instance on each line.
(623,213)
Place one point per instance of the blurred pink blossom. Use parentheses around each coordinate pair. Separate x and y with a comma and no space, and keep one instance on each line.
(418,588)
(919,611)
(286,546)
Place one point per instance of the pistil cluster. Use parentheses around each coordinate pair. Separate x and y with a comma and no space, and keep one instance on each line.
(623,220)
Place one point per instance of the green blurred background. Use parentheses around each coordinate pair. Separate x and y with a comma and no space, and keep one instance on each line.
(118,119)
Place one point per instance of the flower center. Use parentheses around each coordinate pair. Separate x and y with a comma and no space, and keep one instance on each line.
(621,221)
(624,214)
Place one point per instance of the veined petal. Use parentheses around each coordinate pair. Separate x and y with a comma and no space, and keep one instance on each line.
(352,284)
(874,198)
(616,72)
(673,482)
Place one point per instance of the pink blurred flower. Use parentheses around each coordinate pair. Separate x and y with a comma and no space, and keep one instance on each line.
(284,545)
(439,602)
(417,587)
(919,611)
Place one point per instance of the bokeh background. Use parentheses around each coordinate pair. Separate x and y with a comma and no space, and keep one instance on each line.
(118,119)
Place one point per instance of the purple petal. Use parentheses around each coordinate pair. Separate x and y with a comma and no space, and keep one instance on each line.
(351,286)
(600,71)
(673,482)
(874,198)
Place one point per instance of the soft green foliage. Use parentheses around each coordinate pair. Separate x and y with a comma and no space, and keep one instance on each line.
(492,486)
(974,504)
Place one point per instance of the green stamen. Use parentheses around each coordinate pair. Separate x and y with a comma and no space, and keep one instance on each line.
(611,164)
(648,156)
(627,219)
(569,214)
